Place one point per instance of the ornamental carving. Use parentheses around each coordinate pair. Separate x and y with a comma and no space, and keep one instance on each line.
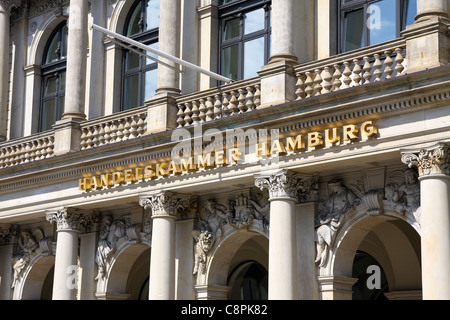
(110,232)
(166,203)
(403,192)
(287,184)
(8,5)
(204,241)
(330,214)
(29,243)
(433,160)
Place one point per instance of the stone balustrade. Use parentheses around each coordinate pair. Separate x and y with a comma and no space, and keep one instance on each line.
(222,102)
(356,68)
(28,149)
(115,128)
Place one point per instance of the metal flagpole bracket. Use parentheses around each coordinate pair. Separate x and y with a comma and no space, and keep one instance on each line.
(160,54)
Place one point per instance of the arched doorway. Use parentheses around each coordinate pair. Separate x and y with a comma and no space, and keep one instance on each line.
(383,247)
(249,281)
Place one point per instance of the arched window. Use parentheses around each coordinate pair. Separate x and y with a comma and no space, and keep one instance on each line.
(53,78)
(140,74)
(244,37)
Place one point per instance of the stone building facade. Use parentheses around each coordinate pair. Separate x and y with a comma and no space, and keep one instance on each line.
(320,172)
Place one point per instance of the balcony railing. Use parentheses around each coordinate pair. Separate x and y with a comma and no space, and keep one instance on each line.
(356,68)
(27,149)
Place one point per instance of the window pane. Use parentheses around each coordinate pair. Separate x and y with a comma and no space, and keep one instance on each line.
(230,62)
(52,53)
(48,114)
(253,57)
(65,34)
(354,30)
(62,77)
(151,82)
(50,85)
(60,108)
(152,14)
(382,22)
(131,95)
(410,12)
(132,60)
(254,21)
(232,29)
(154,45)
(133,26)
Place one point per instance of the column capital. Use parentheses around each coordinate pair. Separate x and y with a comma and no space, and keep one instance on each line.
(289,185)
(72,219)
(429,160)
(166,204)
(8,5)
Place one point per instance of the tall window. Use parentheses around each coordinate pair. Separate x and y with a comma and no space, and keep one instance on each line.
(140,74)
(368,22)
(244,37)
(53,78)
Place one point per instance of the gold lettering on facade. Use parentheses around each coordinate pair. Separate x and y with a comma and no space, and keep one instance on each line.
(230,156)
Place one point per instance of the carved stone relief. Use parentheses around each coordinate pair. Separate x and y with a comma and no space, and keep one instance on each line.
(29,243)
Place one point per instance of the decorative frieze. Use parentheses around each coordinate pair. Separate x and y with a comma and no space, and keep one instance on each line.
(428,161)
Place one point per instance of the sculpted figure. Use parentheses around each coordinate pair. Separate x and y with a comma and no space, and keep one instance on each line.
(204,242)
(330,215)
(406,197)
(243,213)
(109,234)
(261,210)
(213,216)
(27,245)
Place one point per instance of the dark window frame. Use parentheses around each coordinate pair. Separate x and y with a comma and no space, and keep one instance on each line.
(344,8)
(237,9)
(52,69)
(147,37)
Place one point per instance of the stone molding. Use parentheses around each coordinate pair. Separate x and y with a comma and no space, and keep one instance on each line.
(429,160)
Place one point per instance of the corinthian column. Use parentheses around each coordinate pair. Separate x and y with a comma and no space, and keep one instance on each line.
(164,207)
(5,14)
(67,223)
(284,189)
(433,164)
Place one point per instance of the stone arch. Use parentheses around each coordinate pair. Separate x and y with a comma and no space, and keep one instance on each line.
(121,262)
(119,16)
(33,278)
(233,247)
(392,239)
(42,36)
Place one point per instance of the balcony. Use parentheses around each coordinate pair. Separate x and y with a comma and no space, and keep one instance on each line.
(337,73)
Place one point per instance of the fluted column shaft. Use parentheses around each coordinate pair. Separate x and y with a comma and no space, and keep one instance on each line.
(76,60)
(434,177)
